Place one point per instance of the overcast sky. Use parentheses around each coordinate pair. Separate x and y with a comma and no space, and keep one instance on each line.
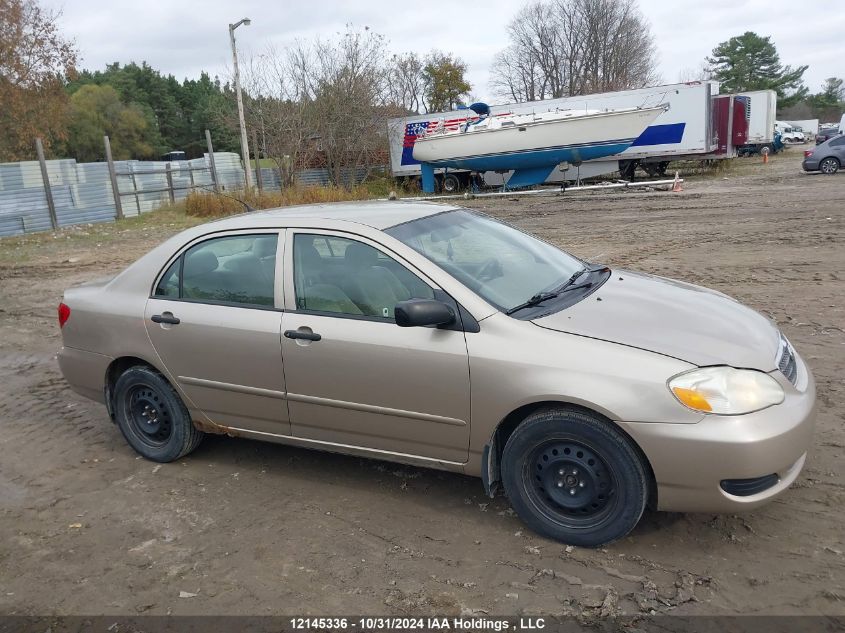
(183,37)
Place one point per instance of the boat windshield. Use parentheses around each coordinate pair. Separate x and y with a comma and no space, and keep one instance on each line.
(503,265)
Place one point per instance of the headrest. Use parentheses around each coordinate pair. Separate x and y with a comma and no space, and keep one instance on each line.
(199,263)
(308,255)
(359,256)
(264,246)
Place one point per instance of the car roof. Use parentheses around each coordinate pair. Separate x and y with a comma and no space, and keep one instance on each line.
(378,214)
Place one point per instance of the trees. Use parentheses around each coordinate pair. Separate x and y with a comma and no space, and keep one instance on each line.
(179,113)
(322,103)
(348,89)
(430,84)
(444,80)
(98,110)
(34,60)
(561,48)
(833,91)
(406,82)
(205,105)
(751,62)
(827,105)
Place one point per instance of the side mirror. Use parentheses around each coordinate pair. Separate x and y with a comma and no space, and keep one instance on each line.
(422,312)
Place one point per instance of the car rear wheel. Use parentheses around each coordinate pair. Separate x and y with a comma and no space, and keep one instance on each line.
(574,477)
(829,166)
(152,416)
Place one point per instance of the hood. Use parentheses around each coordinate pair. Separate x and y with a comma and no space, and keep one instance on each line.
(673,318)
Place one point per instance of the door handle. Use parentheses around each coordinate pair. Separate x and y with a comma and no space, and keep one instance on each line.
(301,334)
(167,317)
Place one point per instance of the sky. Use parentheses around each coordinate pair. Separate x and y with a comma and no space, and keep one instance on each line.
(184,37)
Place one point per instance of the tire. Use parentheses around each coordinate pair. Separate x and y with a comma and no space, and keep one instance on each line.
(597,461)
(829,165)
(152,416)
(451,184)
(650,169)
(627,169)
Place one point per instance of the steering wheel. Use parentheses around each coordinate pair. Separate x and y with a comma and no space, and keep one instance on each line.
(491,269)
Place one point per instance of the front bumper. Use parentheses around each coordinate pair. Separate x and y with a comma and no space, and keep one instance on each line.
(691,460)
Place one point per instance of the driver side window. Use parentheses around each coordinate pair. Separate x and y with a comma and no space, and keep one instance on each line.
(347,277)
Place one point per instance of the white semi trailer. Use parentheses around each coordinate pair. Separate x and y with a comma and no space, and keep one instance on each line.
(760,107)
(686,130)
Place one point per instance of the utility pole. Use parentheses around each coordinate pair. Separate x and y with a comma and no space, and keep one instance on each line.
(244,143)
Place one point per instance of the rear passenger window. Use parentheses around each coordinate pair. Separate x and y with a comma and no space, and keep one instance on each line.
(837,141)
(230,270)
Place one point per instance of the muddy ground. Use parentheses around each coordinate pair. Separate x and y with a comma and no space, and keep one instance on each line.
(242,527)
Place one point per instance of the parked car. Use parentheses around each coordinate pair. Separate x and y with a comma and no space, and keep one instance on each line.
(174,156)
(827,157)
(437,336)
(826,134)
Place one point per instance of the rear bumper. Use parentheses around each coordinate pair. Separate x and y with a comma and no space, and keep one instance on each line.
(810,164)
(84,371)
(691,461)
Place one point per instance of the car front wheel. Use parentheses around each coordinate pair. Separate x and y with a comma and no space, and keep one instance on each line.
(574,477)
(829,166)
(152,416)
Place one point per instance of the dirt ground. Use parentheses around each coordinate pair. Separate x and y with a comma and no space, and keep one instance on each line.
(242,527)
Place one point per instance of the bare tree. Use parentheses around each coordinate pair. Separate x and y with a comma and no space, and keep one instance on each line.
(350,90)
(517,76)
(694,73)
(406,82)
(278,91)
(322,103)
(562,48)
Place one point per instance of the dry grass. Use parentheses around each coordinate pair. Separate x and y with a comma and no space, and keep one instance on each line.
(208,205)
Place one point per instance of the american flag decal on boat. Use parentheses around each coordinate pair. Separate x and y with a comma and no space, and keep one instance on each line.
(418,128)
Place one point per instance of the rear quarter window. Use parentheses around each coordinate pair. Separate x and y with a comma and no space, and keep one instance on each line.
(168,285)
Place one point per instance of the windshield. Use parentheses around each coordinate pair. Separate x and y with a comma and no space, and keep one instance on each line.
(502,264)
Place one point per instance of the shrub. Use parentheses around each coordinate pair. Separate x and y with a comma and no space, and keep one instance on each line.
(208,204)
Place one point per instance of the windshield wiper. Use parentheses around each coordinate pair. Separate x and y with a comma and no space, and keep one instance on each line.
(568,285)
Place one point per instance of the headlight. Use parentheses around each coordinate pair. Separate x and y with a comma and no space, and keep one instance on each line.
(725,390)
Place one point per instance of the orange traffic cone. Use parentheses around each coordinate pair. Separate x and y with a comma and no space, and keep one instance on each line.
(765,153)
(676,187)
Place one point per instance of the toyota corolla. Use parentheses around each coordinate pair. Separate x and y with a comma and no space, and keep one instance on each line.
(438,336)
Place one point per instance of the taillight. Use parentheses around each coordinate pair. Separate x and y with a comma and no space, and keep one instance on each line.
(808,153)
(64,314)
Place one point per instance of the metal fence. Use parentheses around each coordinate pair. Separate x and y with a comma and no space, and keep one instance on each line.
(83,193)
(47,194)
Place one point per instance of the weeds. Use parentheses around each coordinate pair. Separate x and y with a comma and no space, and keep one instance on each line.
(208,205)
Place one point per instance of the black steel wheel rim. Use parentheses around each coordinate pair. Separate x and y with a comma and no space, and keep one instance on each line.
(148,415)
(570,483)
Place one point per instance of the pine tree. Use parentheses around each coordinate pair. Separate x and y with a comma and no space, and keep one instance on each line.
(750,62)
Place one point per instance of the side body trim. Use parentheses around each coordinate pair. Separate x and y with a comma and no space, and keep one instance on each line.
(228,386)
(369,408)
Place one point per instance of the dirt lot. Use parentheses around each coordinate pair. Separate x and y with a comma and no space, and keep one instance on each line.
(242,527)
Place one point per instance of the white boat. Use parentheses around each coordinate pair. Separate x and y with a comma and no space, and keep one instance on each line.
(532,142)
